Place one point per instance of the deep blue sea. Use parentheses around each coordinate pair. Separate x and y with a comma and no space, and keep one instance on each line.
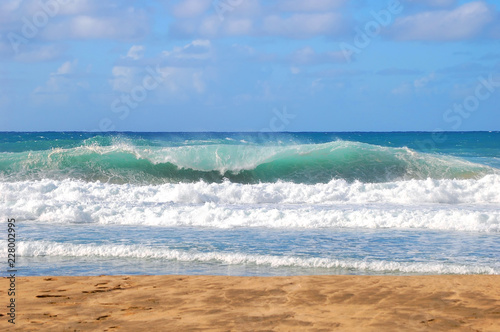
(252,203)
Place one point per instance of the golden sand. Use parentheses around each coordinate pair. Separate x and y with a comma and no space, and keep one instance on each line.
(220,303)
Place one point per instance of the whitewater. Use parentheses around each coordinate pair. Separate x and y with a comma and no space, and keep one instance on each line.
(244,204)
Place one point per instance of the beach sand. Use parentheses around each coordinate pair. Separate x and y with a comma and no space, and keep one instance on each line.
(221,303)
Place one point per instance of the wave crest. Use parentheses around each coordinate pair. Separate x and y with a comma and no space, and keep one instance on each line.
(240,163)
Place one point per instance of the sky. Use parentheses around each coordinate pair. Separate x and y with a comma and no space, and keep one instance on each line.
(249,65)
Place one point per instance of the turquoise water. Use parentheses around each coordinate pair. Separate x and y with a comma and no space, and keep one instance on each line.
(253,203)
(245,158)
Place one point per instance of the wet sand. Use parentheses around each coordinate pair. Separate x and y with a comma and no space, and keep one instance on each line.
(220,303)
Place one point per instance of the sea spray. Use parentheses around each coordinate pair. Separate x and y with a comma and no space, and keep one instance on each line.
(246,163)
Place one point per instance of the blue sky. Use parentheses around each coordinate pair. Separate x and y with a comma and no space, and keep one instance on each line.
(249,65)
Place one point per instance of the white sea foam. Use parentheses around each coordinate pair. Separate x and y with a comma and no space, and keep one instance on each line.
(53,249)
(465,205)
(482,191)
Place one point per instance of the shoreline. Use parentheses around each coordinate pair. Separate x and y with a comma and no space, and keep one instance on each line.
(311,303)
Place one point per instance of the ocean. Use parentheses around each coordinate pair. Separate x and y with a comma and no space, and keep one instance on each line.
(252,204)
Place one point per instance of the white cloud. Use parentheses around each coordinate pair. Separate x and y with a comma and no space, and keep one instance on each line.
(11,11)
(179,83)
(423,81)
(308,56)
(244,49)
(210,26)
(5,47)
(200,49)
(245,8)
(461,23)
(310,5)
(62,7)
(38,53)
(178,68)
(419,85)
(191,8)
(66,68)
(124,78)
(29,27)
(8,7)
(189,75)
(402,89)
(198,82)
(302,25)
(130,24)
(434,3)
(82,19)
(61,84)
(239,26)
(298,19)
(292,19)
(136,52)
